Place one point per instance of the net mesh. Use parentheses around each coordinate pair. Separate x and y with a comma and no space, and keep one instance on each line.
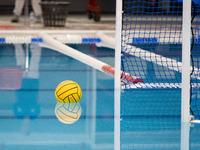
(151,45)
(152,50)
(195,47)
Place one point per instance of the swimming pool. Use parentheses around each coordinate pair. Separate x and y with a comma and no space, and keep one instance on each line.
(27,110)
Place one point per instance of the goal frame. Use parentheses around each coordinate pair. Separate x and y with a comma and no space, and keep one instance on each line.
(186,42)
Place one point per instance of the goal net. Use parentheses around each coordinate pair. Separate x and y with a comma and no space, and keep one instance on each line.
(151,49)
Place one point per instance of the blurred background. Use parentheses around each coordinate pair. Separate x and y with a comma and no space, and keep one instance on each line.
(77,6)
(93,14)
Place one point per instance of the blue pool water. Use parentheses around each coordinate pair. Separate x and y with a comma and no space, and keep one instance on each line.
(27,108)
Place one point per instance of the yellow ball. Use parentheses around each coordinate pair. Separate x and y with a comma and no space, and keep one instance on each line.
(68,92)
(68,113)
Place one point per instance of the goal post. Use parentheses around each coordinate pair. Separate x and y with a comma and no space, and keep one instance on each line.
(117,81)
(186,44)
(156,47)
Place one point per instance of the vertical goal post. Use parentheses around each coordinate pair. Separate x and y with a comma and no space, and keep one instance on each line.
(117,81)
(186,43)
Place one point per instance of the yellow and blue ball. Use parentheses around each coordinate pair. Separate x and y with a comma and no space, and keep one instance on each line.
(68,92)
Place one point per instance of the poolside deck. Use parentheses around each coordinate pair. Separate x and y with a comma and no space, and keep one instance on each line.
(73,22)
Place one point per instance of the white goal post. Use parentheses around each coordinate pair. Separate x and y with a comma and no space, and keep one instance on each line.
(186,43)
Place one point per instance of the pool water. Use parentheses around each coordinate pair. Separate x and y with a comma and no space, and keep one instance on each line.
(28,107)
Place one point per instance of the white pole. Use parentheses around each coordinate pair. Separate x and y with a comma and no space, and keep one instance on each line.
(186,30)
(185,93)
(27,58)
(99,65)
(117,74)
(185,135)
